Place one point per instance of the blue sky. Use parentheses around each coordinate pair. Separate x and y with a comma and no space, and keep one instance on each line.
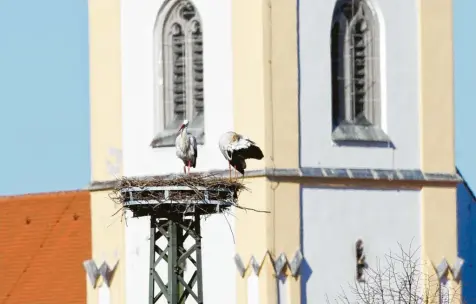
(465,88)
(465,123)
(44,93)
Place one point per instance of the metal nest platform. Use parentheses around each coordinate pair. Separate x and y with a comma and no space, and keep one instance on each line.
(180,195)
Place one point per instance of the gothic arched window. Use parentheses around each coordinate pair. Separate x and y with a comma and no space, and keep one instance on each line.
(178,60)
(356,111)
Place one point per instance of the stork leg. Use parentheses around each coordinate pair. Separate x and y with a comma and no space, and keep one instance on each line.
(188,167)
(235,172)
(184,170)
(229,170)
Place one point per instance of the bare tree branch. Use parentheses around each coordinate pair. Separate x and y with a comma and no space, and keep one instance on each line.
(399,278)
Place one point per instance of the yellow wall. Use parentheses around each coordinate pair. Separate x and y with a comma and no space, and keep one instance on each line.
(105,98)
(105,85)
(436,91)
(267,71)
(439,226)
(108,243)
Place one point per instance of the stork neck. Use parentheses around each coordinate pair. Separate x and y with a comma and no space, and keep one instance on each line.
(183,134)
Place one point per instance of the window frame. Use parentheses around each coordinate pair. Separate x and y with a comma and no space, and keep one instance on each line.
(165,135)
(345,128)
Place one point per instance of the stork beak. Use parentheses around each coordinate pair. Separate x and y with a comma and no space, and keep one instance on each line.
(181,127)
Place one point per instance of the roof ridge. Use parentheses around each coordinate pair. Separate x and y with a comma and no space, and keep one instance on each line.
(49,193)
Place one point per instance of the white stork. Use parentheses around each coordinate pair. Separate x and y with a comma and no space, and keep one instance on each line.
(237,149)
(186,147)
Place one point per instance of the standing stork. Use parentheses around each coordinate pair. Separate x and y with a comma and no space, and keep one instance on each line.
(186,147)
(237,149)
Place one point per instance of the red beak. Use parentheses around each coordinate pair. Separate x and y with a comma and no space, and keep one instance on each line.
(181,127)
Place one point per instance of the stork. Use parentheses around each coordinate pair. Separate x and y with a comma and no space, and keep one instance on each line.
(237,148)
(186,147)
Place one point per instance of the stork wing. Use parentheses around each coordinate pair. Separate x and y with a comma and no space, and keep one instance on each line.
(241,143)
(232,144)
(247,139)
(247,148)
(193,147)
(193,144)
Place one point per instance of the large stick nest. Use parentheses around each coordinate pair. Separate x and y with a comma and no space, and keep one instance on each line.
(167,196)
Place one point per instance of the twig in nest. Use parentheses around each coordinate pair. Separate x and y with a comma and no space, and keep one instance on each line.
(252,209)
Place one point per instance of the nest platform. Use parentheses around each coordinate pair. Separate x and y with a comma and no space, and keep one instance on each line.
(176,196)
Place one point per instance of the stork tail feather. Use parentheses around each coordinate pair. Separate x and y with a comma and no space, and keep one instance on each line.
(240,169)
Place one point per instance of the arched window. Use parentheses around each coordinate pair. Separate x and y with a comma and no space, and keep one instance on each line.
(178,73)
(356,111)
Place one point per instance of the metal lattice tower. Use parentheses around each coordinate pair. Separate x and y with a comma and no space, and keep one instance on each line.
(173,223)
(176,231)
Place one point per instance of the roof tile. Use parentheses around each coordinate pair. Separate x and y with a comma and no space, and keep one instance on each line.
(45,238)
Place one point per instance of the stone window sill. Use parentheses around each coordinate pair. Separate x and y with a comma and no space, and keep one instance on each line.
(346,132)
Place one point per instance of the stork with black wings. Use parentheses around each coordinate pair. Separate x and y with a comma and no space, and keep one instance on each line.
(236,149)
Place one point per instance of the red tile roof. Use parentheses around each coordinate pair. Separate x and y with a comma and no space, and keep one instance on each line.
(44,238)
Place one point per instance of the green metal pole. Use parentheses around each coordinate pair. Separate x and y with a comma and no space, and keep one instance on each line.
(172,263)
(180,266)
(153,223)
(198,253)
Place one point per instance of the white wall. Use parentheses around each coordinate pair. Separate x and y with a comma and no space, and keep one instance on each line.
(137,259)
(218,250)
(400,83)
(137,24)
(334,219)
